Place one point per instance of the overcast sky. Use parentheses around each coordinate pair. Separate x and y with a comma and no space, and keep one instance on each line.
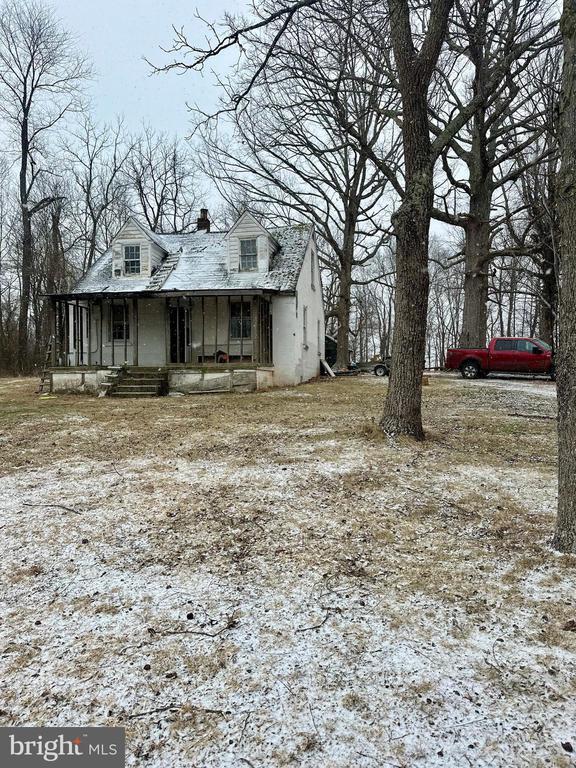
(117,34)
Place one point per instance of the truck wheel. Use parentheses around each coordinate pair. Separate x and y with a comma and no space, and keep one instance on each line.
(470,370)
(380,370)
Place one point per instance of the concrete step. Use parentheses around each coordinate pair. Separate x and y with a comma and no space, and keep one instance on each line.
(138,394)
(142,380)
(145,371)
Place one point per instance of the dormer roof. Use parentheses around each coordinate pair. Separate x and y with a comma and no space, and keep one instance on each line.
(199,262)
(248,216)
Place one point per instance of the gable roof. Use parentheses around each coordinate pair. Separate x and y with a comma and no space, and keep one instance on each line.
(199,262)
(252,219)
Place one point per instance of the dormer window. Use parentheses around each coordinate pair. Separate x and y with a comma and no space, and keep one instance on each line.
(131,259)
(248,255)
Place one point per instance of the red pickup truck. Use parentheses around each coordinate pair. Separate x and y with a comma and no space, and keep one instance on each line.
(504,355)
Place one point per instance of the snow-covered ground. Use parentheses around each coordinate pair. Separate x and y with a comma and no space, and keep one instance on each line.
(264,580)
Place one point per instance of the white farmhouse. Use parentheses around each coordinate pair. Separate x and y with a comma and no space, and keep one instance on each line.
(193,312)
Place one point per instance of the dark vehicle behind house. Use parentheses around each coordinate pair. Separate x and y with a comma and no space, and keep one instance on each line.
(377,367)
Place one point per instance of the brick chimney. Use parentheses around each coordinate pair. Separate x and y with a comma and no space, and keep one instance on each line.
(203,222)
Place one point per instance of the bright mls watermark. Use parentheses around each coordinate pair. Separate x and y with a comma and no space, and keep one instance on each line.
(66,747)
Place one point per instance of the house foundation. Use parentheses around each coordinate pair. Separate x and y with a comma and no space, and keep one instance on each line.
(183,380)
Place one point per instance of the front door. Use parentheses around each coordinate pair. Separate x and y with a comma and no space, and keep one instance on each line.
(178,328)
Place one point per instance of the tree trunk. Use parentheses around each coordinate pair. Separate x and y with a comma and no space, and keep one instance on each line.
(547,305)
(25,290)
(403,408)
(477,261)
(343,307)
(565,535)
(477,233)
(27,251)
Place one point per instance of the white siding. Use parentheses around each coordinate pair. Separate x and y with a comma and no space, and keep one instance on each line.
(150,254)
(247,228)
(294,361)
(264,248)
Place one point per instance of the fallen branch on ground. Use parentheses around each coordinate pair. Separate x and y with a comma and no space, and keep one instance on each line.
(55,506)
(231,622)
(324,620)
(533,416)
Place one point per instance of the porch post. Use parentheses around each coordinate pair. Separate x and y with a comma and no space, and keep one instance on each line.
(270,334)
(125,325)
(203,329)
(216,332)
(229,323)
(66,333)
(61,333)
(112,329)
(190,337)
(258,301)
(101,328)
(54,330)
(241,328)
(77,335)
(89,332)
(178,329)
(167,329)
(255,325)
(135,335)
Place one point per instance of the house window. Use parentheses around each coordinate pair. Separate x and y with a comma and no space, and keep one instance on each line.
(318,336)
(131,259)
(248,255)
(240,320)
(119,322)
(305,326)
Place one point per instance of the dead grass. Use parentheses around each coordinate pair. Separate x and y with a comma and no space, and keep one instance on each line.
(334,549)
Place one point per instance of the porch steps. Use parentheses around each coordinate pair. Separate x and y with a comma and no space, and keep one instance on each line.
(138,382)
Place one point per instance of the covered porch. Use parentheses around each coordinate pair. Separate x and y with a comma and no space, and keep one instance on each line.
(183,330)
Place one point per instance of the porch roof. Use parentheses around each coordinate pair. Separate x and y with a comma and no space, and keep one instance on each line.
(197,263)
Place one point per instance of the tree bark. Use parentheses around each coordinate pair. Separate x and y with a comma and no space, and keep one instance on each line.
(403,407)
(27,250)
(565,535)
(477,263)
(547,305)
(477,228)
(25,290)
(345,291)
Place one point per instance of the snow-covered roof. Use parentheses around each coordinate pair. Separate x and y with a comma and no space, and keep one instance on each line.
(199,262)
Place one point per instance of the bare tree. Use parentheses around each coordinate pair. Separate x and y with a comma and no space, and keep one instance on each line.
(565,535)
(163,176)
(418,33)
(289,150)
(96,158)
(40,77)
(509,119)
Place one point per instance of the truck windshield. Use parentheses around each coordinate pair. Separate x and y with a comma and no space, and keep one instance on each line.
(543,344)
